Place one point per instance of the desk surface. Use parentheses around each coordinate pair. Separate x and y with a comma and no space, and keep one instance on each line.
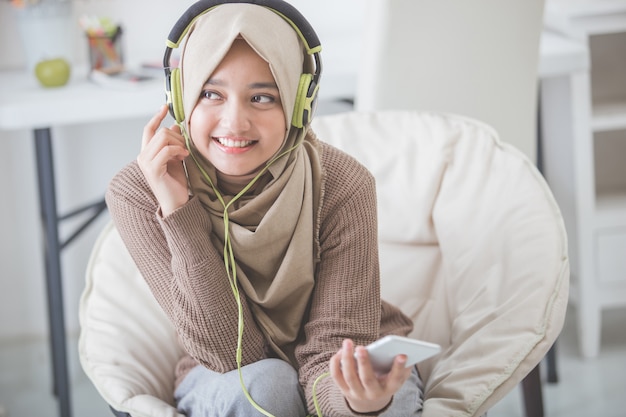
(26,105)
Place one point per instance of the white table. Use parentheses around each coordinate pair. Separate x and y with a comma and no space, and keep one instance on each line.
(24,105)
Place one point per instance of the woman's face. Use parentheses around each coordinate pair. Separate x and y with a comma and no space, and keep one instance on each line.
(238,123)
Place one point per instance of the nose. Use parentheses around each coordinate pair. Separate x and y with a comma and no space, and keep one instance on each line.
(236,116)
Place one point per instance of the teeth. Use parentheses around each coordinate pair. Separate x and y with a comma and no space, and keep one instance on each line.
(234,143)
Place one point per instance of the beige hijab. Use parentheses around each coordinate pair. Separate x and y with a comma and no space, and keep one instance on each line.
(271,226)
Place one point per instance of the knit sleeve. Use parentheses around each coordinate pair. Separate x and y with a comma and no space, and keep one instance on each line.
(184,271)
(346,300)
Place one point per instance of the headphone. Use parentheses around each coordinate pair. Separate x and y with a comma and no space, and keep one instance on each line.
(309,83)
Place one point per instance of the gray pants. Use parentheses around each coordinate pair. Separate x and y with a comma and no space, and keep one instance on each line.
(273,384)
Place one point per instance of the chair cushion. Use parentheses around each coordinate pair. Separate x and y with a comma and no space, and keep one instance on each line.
(472,248)
(127,346)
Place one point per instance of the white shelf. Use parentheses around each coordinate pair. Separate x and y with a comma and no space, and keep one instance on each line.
(611,209)
(584,120)
(581,18)
(609,115)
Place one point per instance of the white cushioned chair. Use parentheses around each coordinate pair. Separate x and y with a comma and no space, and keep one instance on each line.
(472,247)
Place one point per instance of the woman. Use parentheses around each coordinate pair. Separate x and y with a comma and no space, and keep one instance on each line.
(258,240)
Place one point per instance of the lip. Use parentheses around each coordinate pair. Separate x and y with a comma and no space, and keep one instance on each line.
(233,145)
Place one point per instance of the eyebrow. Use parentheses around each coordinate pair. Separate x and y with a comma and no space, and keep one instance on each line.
(220,83)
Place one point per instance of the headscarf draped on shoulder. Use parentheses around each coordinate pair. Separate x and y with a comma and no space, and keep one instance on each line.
(273,227)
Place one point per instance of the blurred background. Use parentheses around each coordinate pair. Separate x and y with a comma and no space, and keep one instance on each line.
(87,155)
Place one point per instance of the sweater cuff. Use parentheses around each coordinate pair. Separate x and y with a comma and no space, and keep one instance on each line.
(335,401)
(372,413)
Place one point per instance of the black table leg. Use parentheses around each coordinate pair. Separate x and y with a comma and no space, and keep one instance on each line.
(52,249)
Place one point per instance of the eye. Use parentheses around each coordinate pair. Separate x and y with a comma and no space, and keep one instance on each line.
(263,99)
(210,95)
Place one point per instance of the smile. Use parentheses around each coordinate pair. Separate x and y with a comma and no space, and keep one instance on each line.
(231,143)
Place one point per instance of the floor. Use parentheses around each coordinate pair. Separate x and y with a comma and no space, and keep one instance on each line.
(586,387)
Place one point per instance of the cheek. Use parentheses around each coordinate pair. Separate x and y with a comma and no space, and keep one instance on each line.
(278,137)
(200,123)
(278,130)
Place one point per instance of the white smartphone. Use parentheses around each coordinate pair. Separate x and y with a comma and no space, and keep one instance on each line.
(384,350)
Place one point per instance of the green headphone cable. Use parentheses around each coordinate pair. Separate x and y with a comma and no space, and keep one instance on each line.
(231,268)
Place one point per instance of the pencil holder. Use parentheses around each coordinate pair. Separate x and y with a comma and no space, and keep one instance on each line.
(105,52)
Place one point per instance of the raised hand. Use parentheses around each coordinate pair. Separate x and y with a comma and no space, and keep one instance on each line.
(366,391)
(161,161)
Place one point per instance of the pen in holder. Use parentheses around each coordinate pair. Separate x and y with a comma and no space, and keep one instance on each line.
(105,51)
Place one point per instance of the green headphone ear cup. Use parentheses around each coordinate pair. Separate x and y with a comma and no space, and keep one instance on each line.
(298,118)
(310,102)
(177,96)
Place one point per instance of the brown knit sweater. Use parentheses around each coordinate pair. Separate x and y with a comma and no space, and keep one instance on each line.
(186,274)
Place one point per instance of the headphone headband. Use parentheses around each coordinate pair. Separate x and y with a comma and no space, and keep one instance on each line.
(284,9)
(309,82)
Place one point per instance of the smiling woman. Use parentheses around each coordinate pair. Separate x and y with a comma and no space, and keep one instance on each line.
(257,239)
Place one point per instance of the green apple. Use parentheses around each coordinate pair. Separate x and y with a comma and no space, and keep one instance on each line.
(53,72)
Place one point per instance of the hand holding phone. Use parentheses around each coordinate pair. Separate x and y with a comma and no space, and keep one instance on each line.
(383,351)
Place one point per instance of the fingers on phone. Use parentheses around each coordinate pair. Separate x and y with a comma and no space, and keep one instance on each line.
(367,374)
(400,361)
(399,372)
(336,370)
(349,367)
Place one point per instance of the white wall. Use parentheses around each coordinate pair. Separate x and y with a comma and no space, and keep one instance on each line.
(87,156)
